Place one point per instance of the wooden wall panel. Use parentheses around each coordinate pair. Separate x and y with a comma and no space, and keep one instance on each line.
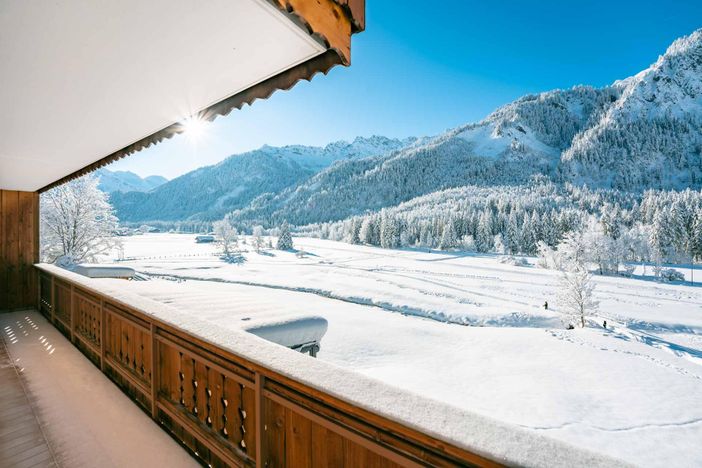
(3,266)
(19,249)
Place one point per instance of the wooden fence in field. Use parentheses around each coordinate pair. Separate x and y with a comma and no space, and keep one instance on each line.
(225,409)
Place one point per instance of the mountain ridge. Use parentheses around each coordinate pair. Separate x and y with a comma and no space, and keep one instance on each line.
(210,192)
(639,133)
(127,181)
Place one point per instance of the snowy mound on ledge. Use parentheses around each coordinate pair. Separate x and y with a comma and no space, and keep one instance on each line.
(286,326)
(96,270)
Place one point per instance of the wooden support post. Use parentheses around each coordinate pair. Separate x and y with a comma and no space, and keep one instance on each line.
(154,373)
(53,301)
(258,411)
(103,334)
(71,317)
(38,283)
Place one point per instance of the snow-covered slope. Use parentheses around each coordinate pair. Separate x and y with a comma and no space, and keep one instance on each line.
(640,133)
(511,145)
(210,192)
(651,136)
(126,181)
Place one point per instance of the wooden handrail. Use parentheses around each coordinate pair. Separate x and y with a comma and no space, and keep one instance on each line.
(225,409)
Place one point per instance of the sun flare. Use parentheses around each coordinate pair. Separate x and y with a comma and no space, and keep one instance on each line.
(195,128)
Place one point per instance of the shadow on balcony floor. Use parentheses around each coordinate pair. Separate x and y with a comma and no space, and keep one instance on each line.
(77,417)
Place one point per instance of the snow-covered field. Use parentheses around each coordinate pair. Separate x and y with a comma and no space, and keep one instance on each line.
(633,390)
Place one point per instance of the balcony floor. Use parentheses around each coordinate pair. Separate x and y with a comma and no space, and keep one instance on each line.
(22,442)
(57,409)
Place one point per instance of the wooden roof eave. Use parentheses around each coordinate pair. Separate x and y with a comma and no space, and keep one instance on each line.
(331,22)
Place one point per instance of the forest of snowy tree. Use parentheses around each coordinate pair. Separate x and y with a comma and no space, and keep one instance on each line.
(611,227)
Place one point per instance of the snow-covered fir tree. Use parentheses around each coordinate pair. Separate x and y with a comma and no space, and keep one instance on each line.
(484,237)
(449,239)
(389,232)
(285,241)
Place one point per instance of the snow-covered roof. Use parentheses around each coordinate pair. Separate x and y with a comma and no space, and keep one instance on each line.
(477,433)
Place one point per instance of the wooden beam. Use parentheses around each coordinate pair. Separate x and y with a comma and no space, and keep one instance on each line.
(154,373)
(325,19)
(258,411)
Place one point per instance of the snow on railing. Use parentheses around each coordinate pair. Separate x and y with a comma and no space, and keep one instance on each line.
(235,399)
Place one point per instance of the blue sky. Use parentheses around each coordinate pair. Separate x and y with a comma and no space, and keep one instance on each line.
(426,67)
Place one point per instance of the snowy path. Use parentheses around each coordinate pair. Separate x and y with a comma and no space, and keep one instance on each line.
(632,391)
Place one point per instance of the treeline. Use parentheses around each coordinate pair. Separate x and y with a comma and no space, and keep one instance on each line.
(662,226)
(188,227)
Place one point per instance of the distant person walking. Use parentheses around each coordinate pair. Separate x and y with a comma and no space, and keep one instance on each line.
(605,324)
(546,305)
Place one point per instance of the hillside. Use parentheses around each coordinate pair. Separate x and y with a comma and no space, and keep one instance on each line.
(651,136)
(210,192)
(510,146)
(639,133)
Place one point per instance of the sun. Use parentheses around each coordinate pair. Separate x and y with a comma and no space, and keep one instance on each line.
(194,128)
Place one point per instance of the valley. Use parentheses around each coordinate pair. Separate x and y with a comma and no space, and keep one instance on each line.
(471,331)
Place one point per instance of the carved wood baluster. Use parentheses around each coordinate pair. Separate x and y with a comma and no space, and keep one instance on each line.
(214,380)
(225,404)
(181,373)
(233,421)
(245,413)
(188,384)
(138,351)
(201,391)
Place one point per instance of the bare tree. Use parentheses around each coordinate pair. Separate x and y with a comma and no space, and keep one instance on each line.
(228,235)
(258,238)
(575,294)
(77,221)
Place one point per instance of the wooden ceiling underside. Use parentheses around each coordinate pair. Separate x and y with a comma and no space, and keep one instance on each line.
(331,22)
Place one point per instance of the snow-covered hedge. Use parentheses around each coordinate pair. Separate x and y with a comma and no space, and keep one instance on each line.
(516,261)
(670,275)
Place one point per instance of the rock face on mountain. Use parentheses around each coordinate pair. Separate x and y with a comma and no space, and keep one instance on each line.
(651,136)
(210,192)
(639,133)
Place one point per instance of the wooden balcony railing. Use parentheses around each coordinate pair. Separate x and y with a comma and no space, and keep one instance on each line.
(230,410)
(226,410)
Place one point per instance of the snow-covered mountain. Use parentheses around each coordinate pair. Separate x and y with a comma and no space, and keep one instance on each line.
(210,192)
(639,133)
(126,181)
(516,142)
(651,136)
